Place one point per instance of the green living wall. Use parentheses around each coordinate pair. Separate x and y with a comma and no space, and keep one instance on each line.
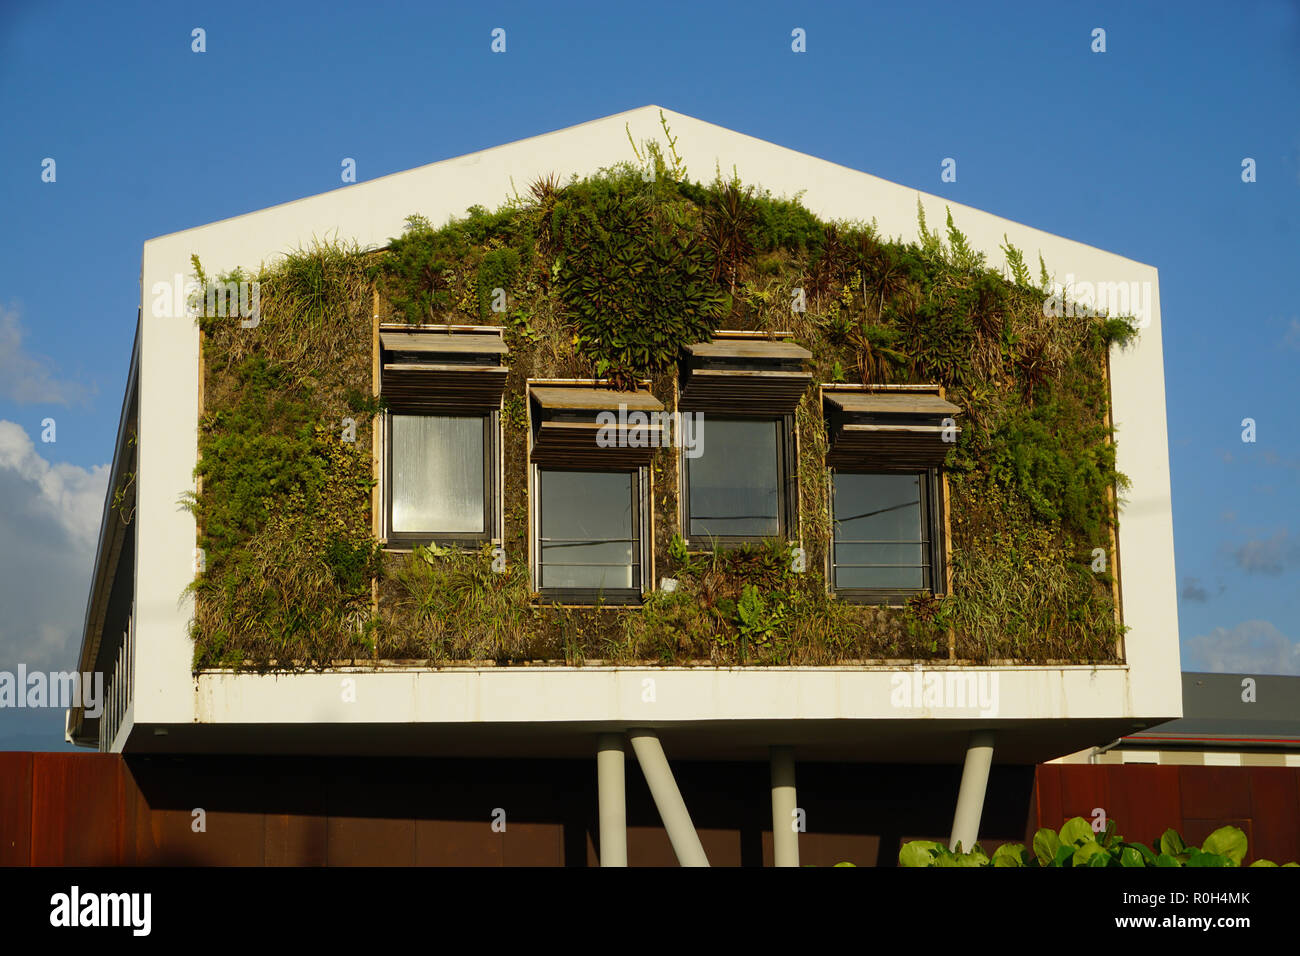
(610,276)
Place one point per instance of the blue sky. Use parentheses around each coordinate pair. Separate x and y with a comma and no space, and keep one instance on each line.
(1137,150)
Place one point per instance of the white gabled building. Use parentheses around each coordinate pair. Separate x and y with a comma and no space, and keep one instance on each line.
(136,622)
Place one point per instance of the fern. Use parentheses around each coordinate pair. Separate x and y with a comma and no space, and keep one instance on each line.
(1015,263)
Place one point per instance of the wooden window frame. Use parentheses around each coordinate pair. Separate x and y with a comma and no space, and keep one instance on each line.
(643,533)
(492,505)
(787,499)
(933,510)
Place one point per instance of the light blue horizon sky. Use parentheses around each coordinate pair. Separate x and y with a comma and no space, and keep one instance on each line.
(1137,150)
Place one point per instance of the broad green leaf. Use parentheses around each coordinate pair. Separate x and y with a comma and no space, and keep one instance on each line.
(1147,855)
(1267,863)
(1064,855)
(1227,841)
(1129,856)
(1165,859)
(1046,843)
(917,853)
(847,864)
(1172,843)
(1084,855)
(1200,858)
(1009,854)
(1077,831)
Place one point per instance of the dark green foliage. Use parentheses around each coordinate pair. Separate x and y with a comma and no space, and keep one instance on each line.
(1060,469)
(784,224)
(497,271)
(1078,845)
(253,452)
(416,276)
(633,277)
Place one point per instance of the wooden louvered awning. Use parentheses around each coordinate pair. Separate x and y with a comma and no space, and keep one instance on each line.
(744,376)
(446,369)
(568,428)
(889,431)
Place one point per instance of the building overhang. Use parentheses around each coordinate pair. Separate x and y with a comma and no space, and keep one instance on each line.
(878,713)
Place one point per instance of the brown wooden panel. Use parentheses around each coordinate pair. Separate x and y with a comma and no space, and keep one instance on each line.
(891,403)
(229,838)
(442,343)
(577,398)
(1194,831)
(360,841)
(1275,806)
(649,846)
(827,849)
(1210,793)
(295,840)
(1047,799)
(458,843)
(743,393)
(533,844)
(1083,789)
(15,809)
(1143,799)
(443,388)
(747,349)
(891,451)
(75,809)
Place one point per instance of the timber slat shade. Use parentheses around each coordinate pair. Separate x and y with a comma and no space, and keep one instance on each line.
(744,376)
(437,371)
(568,432)
(899,431)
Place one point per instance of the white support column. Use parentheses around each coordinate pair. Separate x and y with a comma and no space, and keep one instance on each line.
(613,800)
(785,836)
(970,796)
(668,799)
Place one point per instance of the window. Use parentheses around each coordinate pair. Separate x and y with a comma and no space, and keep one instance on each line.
(442,386)
(738,482)
(589,535)
(440,471)
(887,445)
(886,534)
(738,486)
(590,451)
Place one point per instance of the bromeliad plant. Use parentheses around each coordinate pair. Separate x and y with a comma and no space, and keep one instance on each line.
(1076,844)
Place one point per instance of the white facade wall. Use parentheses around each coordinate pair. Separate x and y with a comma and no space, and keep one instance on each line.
(372,212)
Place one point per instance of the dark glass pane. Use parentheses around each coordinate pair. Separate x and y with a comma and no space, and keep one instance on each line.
(735,485)
(588,530)
(879,536)
(437,483)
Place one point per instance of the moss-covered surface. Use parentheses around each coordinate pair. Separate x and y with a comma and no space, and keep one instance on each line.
(610,277)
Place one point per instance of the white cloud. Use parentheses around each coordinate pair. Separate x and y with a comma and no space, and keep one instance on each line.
(68,495)
(49,525)
(27,378)
(1268,555)
(1252,647)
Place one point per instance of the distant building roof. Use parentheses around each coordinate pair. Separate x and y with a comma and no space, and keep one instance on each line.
(1230,712)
